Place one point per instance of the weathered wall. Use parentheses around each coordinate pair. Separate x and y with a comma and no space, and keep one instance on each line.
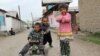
(1,13)
(16,24)
(8,22)
(89,15)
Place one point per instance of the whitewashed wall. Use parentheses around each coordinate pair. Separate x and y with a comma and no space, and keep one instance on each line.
(1,14)
(23,25)
(16,24)
(8,22)
(12,23)
(3,28)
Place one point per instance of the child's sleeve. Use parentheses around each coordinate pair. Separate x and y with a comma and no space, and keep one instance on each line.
(59,19)
(67,19)
(48,29)
(30,35)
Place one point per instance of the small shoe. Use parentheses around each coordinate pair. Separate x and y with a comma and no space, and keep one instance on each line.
(51,46)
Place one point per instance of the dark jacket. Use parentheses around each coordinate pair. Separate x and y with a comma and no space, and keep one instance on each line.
(45,28)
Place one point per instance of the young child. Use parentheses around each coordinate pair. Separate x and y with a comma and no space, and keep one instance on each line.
(65,29)
(46,28)
(12,32)
(35,33)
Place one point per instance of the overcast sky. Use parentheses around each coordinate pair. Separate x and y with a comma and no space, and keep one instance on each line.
(27,6)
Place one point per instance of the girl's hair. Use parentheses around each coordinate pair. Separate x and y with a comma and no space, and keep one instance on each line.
(63,6)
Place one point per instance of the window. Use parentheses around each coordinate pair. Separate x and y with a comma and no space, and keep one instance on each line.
(50,6)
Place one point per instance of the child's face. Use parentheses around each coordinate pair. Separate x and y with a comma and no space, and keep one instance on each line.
(36,27)
(63,11)
(44,20)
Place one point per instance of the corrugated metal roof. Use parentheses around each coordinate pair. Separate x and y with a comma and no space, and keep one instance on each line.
(56,1)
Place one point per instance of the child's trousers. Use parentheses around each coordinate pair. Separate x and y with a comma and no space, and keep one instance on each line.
(47,38)
(64,47)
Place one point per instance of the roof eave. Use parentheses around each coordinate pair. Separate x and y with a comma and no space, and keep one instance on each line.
(13,17)
(3,10)
(44,4)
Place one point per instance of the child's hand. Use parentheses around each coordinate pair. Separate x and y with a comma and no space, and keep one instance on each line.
(43,32)
(29,40)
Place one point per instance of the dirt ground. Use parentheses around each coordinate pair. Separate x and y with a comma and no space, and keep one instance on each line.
(10,46)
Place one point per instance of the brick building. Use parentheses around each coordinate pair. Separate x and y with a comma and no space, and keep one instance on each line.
(89,15)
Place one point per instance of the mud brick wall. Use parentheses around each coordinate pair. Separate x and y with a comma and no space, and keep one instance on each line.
(89,15)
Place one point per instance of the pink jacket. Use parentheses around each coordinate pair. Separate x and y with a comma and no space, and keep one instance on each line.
(64,23)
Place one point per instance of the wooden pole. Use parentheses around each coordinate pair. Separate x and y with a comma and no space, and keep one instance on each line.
(32,18)
(19,15)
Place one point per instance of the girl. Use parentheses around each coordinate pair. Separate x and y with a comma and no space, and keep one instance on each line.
(65,29)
